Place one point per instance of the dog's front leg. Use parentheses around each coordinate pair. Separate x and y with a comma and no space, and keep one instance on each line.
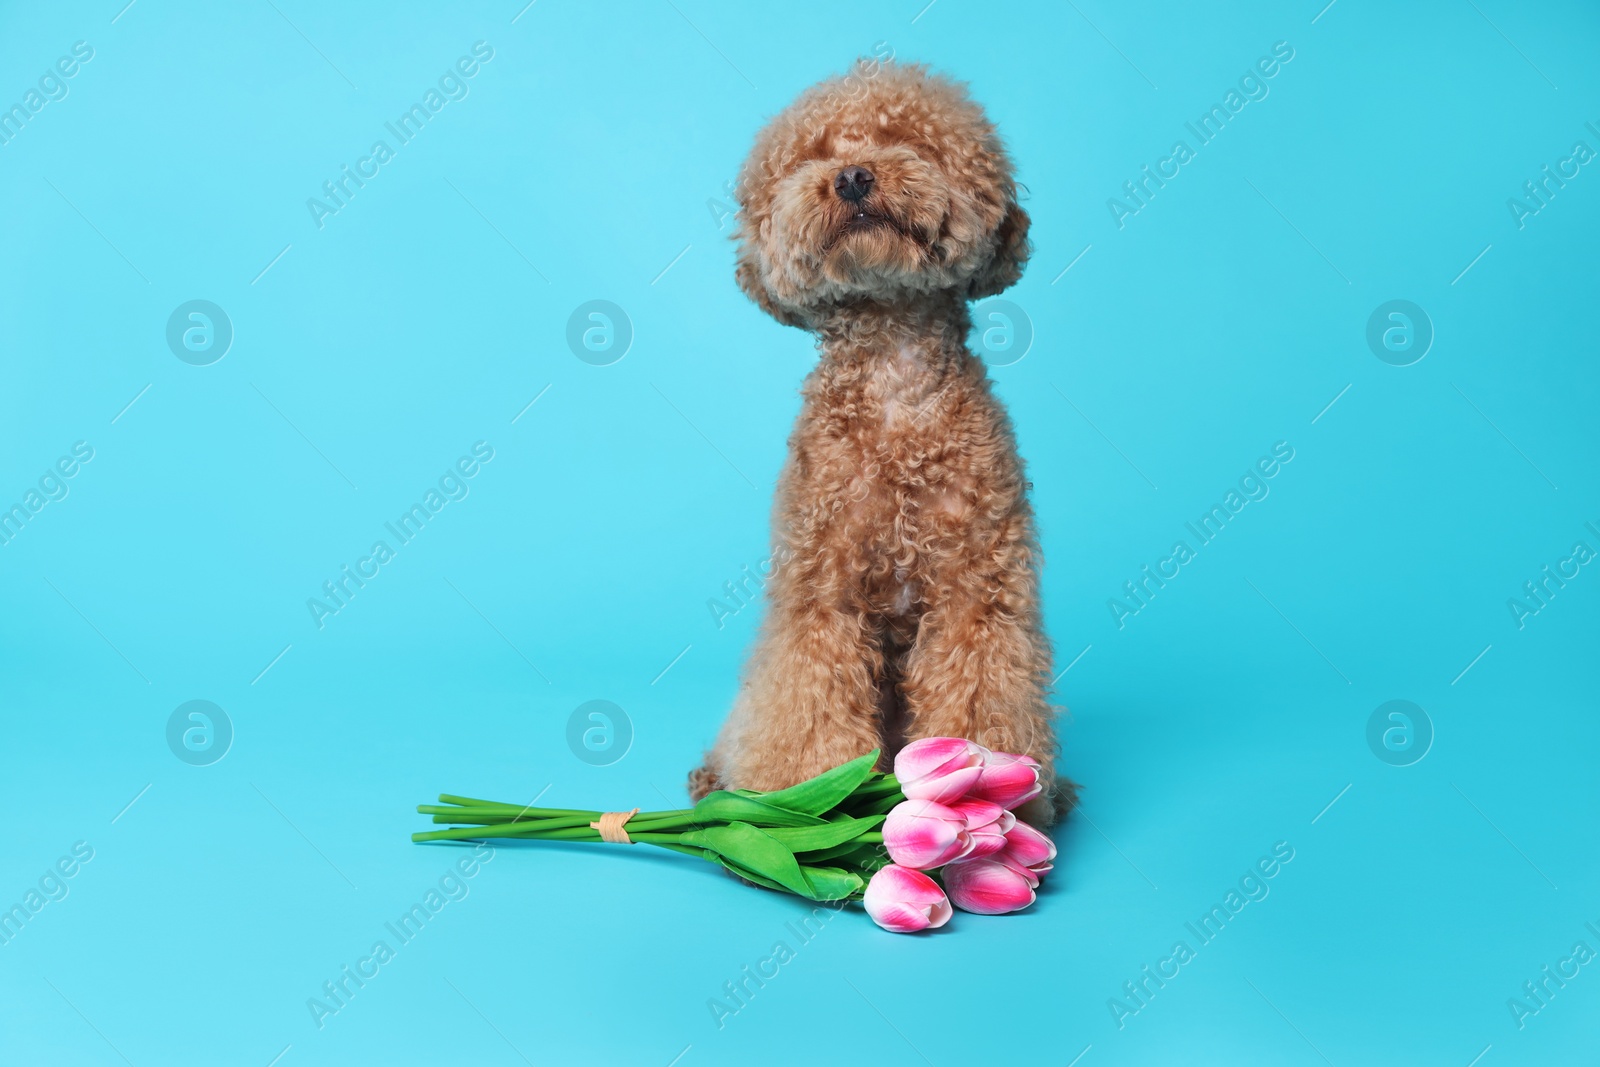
(809,699)
(980,665)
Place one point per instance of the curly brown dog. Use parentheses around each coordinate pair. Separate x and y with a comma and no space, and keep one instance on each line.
(905,603)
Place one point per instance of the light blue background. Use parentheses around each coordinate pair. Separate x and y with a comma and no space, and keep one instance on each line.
(587,163)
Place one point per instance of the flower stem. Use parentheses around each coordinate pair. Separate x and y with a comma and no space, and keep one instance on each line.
(543,819)
(534,833)
(469,802)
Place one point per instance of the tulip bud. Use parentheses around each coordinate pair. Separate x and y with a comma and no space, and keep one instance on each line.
(988,823)
(905,901)
(989,886)
(1008,780)
(1029,848)
(923,835)
(940,769)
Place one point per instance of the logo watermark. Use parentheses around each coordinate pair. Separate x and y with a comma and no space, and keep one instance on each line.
(743,591)
(1252,486)
(199,733)
(199,332)
(1399,333)
(1138,193)
(52,486)
(50,888)
(452,85)
(599,733)
(1002,333)
(1537,995)
(737,993)
(1538,192)
(452,485)
(1537,595)
(51,87)
(1399,733)
(339,991)
(599,332)
(1251,888)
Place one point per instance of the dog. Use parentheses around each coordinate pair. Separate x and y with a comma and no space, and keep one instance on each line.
(905,599)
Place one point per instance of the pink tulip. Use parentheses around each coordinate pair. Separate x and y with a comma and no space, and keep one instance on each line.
(1008,780)
(990,886)
(940,769)
(988,823)
(923,835)
(905,901)
(1028,848)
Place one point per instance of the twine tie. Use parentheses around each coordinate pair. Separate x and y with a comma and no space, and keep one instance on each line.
(612,826)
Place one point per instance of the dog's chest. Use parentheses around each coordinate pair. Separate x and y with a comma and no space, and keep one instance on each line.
(901,488)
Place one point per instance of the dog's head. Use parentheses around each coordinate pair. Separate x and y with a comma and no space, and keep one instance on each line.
(886,184)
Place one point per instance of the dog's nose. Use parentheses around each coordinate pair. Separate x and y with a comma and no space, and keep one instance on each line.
(853,183)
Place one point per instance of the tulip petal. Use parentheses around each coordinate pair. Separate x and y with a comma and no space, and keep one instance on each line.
(905,901)
(1008,779)
(987,822)
(985,844)
(931,753)
(939,768)
(922,834)
(1029,847)
(1032,875)
(979,812)
(988,887)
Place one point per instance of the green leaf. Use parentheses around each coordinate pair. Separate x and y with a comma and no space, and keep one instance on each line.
(882,805)
(832,883)
(754,855)
(856,856)
(744,872)
(752,849)
(827,789)
(837,832)
(852,852)
(722,806)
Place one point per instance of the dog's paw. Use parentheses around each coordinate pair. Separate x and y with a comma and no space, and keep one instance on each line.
(702,780)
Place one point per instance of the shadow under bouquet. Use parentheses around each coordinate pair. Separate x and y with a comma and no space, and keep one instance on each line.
(939,830)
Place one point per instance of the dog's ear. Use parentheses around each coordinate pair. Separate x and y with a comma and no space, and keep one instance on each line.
(1010,255)
(749,278)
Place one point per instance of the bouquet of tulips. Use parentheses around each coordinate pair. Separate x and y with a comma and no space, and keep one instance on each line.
(939,829)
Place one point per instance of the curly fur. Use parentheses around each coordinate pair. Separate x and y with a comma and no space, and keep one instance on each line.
(907,604)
